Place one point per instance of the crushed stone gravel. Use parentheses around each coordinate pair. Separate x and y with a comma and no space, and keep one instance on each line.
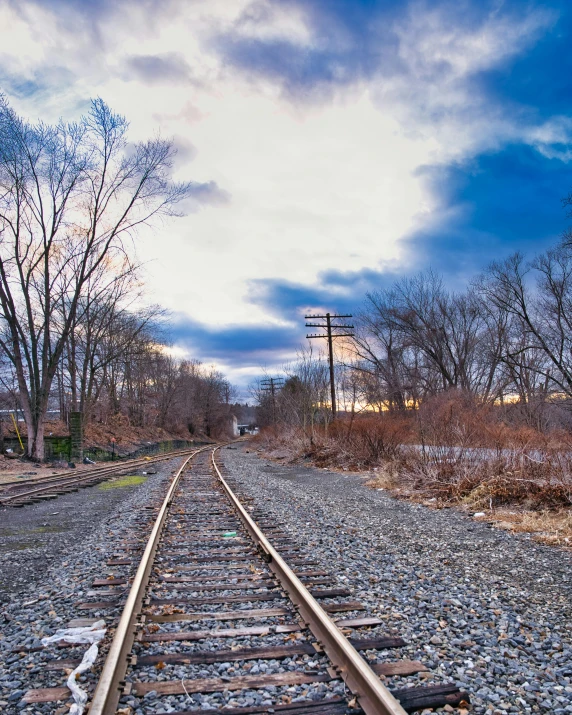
(487,610)
(48,570)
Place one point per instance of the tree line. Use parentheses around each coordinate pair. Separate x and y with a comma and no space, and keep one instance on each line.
(73,199)
(505,340)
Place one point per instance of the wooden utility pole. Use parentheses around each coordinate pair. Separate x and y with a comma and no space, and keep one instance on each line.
(328,326)
(271,384)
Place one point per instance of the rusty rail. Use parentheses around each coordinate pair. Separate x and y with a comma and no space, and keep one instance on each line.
(69,479)
(108,691)
(373,697)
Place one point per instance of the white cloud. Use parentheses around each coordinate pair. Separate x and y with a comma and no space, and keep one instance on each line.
(440,61)
(264,21)
(312,188)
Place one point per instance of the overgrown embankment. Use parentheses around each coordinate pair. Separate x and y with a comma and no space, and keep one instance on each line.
(451,452)
(115,439)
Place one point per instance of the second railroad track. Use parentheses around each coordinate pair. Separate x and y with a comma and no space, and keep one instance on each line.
(22,493)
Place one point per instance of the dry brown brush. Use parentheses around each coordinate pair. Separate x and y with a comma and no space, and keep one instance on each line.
(452,448)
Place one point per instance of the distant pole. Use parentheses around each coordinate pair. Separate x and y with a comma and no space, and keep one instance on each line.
(329,327)
(271,384)
(273,393)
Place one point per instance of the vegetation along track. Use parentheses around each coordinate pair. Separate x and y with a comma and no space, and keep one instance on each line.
(16,494)
(296,640)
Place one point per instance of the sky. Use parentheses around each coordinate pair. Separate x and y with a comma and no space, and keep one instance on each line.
(336,145)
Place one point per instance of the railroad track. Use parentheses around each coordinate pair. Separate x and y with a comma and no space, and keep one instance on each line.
(17,494)
(224,606)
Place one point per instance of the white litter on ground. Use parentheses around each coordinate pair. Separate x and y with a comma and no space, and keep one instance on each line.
(90,634)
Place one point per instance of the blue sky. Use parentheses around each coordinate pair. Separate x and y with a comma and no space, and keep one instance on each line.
(336,144)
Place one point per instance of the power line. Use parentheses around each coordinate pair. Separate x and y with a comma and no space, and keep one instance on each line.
(328,326)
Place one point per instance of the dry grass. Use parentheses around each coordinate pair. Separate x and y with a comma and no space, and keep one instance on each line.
(386,477)
(520,478)
(548,527)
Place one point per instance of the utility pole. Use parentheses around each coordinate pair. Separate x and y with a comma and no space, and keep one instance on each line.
(328,326)
(271,384)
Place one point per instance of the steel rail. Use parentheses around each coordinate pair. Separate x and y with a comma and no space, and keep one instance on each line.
(18,483)
(107,693)
(374,698)
(69,478)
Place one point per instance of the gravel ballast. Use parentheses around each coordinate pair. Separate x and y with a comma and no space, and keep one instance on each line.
(50,558)
(481,608)
(487,610)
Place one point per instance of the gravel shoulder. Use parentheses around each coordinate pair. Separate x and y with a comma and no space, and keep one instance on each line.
(486,609)
(42,537)
(50,553)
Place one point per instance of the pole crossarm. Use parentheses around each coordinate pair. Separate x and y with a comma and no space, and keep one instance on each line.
(273,383)
(330,334)
(336,335)
(320,325)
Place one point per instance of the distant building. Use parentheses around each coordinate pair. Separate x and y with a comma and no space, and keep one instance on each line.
(247,429)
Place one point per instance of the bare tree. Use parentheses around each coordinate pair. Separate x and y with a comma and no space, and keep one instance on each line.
(416,339)
(538,297)
(303,399)
(381,355)
(70,196)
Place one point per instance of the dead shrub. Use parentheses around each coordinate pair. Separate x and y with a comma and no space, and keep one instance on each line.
(356,444)
(509,489)
(371,440)
(452,418)
(484,479)
(452,448)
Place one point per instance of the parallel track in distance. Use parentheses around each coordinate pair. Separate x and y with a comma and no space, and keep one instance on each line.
(16,494)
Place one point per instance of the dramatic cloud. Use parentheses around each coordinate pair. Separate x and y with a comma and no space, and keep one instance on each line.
(334,146)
